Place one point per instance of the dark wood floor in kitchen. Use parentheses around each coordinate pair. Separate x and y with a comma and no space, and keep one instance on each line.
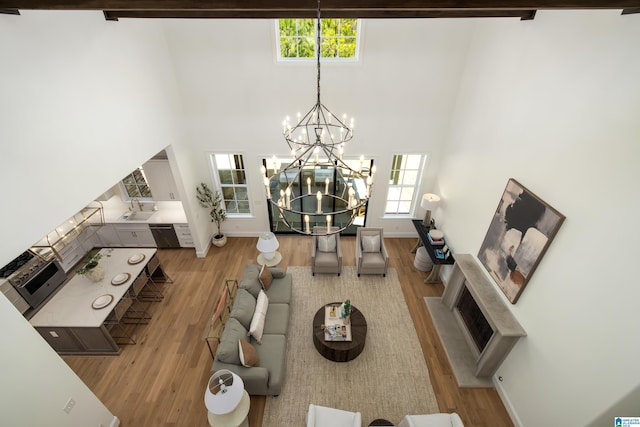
(160,381)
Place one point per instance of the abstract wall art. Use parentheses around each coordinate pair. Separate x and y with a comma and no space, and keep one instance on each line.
(520,232)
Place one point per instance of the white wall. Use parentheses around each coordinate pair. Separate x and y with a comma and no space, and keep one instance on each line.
(554,103)
(401,94)
(84,101)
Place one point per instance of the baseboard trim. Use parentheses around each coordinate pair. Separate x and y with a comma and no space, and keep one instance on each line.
(506,402)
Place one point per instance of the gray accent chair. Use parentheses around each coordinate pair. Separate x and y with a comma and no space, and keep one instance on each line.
(432,420)
(326,257)
(371,253)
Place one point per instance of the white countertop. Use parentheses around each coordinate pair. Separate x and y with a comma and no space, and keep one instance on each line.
(166,214)
(71,305)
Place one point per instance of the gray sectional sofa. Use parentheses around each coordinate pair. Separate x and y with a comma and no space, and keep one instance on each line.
(266,378)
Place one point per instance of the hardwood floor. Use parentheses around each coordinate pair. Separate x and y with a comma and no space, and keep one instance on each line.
(160,381)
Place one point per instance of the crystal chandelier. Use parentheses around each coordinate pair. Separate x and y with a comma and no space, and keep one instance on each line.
(329,199)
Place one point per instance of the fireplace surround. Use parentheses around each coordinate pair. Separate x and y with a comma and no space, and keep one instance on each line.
(476,327)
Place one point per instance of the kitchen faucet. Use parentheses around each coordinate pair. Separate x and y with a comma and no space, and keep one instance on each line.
(140,205)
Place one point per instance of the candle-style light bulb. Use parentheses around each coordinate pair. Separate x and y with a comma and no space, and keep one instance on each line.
(328,224)
(319,197)
(309,185)
(326,186)
(306,223)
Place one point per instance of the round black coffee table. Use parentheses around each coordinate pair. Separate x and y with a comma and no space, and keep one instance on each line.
(340,351)
(380,422)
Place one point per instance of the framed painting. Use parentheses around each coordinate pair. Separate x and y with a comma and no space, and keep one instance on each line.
(520,232)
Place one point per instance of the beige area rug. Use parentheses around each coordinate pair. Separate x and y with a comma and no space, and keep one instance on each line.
(389,379)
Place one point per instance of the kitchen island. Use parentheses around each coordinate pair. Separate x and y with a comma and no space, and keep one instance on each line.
(70,323)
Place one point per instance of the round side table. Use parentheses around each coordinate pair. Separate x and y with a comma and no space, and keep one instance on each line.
(235,418)
(272,262)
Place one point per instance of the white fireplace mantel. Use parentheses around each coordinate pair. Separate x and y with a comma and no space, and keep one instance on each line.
(471,366)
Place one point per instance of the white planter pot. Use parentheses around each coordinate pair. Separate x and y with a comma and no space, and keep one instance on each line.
(219,242)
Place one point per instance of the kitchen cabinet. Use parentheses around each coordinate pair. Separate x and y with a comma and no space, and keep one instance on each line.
(160,179)
(184,235)
(108,236)
(135,235)
(79,340)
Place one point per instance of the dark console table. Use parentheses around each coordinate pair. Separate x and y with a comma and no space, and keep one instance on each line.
(424,241)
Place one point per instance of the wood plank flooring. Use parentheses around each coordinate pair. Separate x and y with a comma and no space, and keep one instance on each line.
(160,381)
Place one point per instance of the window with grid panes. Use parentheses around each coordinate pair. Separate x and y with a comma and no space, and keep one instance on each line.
(231,174)
(296,38)
(404,179)
(136,186)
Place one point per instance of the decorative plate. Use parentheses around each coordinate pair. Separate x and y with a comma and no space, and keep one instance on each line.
(102,301)
(121,278)
(136,259)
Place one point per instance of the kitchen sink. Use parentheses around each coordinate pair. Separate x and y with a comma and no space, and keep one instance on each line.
(137,216)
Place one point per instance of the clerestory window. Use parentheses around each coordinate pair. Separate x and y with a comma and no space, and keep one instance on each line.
(296,39)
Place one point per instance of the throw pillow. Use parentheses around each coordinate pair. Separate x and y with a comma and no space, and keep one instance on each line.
(371,243)
(243,307)
(265,277)
(250,280)
(327,243)
(277,273)
(257,323)
(228,347)
(248,354)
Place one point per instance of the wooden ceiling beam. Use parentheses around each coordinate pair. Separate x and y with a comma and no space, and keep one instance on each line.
(216,14)
(359,8)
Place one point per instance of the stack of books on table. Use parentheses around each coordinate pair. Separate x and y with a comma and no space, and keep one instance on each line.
(442,253)
(334,327)
(436,237)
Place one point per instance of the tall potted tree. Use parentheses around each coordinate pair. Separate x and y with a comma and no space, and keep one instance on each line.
(213,201)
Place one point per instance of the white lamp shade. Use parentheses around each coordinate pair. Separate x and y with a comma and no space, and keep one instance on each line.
(429,201)
(224,392)
(267,243)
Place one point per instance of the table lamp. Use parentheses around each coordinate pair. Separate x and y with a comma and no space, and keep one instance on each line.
(224,392)
(268,244)
(429,202)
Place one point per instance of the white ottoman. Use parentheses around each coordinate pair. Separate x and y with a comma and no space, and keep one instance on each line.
(422,262)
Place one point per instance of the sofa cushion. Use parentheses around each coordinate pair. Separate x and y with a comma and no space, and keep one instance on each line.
(244,305)
(327,243)
(277,272)
(248,354)
(371,243)
(326,259)
(257,323)
(272,357)
(250,280)
(277,322)
(373,260)
(280,290)
(228,347)
(265,277)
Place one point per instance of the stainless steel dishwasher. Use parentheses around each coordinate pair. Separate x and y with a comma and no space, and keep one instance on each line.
(164,235)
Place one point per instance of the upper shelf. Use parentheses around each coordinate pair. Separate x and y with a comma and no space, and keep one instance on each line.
(69,231)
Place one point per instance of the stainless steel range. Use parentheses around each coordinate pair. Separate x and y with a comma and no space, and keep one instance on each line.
(34,277)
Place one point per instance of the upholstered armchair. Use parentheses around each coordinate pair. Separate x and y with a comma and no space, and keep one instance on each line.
(326,253)
(432,420)
(321,416)
(371,254)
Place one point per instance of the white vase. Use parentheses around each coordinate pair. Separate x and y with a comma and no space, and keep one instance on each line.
(96,274)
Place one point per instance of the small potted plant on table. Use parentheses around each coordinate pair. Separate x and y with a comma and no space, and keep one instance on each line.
(92,269)
(346,311)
